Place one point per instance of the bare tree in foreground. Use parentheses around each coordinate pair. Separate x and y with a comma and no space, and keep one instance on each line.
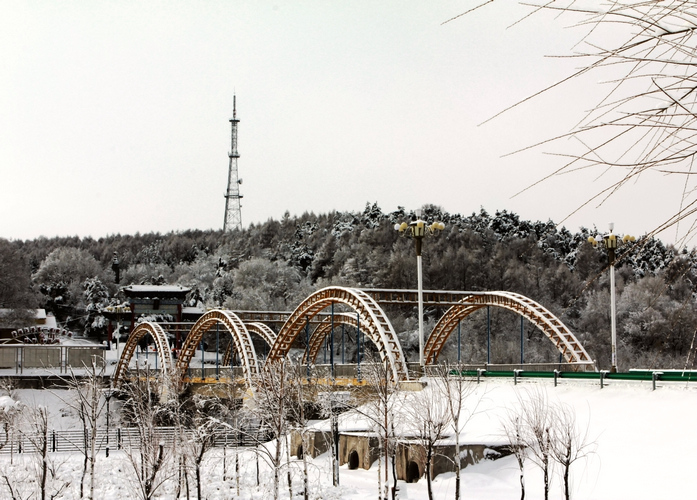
(150,456)
(569,443)
(273,400)
(538,421)
(514,429)
(331,404)
(87,401)
(232,420)
(428,411)
(46,467)
(303,391)
(643,52)
(200,427)
(547,433)
(381,393)
(457,392)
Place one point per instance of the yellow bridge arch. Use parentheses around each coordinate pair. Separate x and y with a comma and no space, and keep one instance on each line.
(371,317)
(161,344)
(240,338)
(261,329)
(552,327)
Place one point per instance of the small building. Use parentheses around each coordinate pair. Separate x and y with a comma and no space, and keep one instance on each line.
(411,457)
(146,300)
(156,300)
(359,449)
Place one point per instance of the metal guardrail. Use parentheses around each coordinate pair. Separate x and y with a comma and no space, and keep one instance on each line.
(602,376)
(75,441)
(358,372)
(588,367)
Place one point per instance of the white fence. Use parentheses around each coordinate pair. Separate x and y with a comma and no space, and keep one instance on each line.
(21,356)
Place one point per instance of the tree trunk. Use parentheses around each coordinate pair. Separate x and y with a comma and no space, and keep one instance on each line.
(394,471)
(224,461)
(178,490)
(380,455)
(458,465)
(44,472)
(288,475)
(84,473)
(306,479)
(429,457)
(93,456)
(44,454)
(186,481)
(198,481)
(276,469)
(237,473)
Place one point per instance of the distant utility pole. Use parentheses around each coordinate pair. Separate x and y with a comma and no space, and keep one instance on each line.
(233,207)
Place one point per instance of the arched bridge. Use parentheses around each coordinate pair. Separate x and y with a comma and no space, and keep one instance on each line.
(359,308)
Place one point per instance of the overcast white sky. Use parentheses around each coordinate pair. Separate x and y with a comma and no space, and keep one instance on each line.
(114,115)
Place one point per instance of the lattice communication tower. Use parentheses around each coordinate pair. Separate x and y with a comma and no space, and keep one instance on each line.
(233,207)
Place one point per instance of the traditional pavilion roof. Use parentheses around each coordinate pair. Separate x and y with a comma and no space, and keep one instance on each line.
(156,291)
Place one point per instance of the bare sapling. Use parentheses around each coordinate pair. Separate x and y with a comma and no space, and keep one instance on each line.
(272,407)
(380,398)
(538,421)
(86,399)
(36,433)
(569,443)
(515,431)
(148,452)
(429,414)
(458,393)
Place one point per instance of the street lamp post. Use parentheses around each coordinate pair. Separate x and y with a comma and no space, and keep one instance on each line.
(108,394)
(417,229)
(610,242)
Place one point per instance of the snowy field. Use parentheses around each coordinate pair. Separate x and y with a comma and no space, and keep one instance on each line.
(646,449)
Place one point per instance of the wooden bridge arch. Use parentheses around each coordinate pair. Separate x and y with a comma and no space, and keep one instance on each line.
(240,338)
(161,344)
(261,329)
(552,327)
(321,332)
(373,322)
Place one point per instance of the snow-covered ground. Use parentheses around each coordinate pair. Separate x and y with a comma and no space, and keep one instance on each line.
(646,449)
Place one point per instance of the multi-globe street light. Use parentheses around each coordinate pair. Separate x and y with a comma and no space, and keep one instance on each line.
(610,241)
(417,229)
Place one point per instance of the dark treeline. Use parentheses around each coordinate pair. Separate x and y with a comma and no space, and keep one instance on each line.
(276,264)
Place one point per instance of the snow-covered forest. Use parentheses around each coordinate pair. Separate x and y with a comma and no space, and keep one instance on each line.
(276,264)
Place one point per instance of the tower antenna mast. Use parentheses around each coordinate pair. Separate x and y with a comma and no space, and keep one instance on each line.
(233,207)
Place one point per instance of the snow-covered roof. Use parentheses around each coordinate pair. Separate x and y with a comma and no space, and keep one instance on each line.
(51,322)
(177,292)
(156,289)
(193,310)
